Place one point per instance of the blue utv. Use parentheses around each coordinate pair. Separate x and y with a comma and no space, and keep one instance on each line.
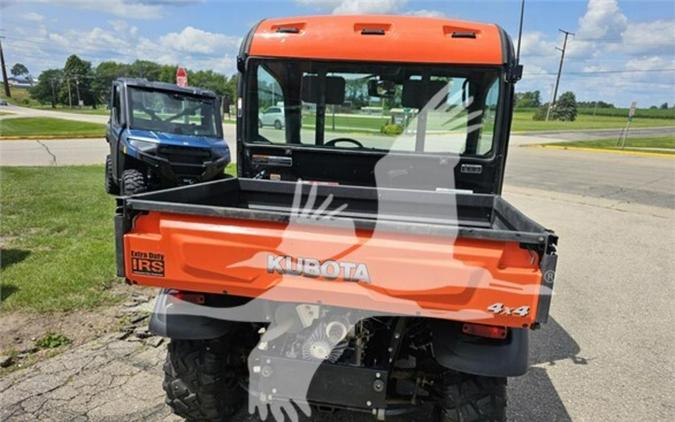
(162,135)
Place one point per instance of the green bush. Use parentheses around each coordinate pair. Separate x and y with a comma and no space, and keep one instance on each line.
(565,108)
(391,129)
(540,113)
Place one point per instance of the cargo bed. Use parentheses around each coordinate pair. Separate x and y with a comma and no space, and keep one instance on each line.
(176,222)
(480,216)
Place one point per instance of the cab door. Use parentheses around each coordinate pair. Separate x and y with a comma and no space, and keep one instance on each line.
(114,127)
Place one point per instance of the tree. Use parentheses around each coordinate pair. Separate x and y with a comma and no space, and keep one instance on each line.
(104,74)
(48,87)
(594,104)
(565,108)
(78,77)
(664,106)
(19,70)
(207,79)
(529,99)
(146,69)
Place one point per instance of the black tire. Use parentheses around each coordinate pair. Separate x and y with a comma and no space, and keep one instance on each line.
(200,380)
(472,398)
(133,181)
(277,124)
(110,185)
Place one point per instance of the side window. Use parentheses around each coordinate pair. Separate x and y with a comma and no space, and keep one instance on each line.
(270,100)
(489,119)
(116,106)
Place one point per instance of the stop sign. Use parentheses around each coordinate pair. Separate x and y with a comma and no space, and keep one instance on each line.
(181,77)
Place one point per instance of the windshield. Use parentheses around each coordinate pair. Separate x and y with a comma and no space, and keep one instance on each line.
(410,108)
(173,112)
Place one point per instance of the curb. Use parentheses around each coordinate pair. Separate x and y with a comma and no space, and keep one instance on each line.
(603,150)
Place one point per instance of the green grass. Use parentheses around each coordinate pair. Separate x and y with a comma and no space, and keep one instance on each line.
(49,127)
(522,121)
(644,113)
(4,113)
(631,144)
(20,97)
(56,235)
(56,227)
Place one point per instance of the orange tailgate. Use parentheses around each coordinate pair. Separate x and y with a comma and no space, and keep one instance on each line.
(459,279)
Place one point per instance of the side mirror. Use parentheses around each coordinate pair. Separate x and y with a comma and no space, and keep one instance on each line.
(381,88)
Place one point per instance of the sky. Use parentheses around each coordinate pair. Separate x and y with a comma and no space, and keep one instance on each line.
(622,51)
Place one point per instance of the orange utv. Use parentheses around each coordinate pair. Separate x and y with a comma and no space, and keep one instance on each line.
(363,259)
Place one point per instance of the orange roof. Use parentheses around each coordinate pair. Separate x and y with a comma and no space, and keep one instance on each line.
(379,39)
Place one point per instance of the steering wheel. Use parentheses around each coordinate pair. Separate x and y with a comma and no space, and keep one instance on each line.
(332,142)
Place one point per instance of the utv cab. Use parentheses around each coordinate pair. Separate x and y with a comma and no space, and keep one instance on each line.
(162,135)
(363,259)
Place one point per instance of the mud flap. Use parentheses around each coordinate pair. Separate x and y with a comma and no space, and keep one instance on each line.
(185,326)
(490,358)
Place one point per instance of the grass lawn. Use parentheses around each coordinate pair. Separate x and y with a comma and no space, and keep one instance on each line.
(47,126)
(522,121)
(4,113)
(57,245)
(631,144)
(20,97)
(56,237)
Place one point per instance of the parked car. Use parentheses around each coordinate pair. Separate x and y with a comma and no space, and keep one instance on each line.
(272,116)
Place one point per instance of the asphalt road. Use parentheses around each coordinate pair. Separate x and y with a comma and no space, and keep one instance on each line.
(606,353)
(644,180)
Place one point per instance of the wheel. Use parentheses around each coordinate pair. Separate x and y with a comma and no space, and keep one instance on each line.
(260,124)
(472,398)
(133,181)
(110,185)
(201,380)
(277,124)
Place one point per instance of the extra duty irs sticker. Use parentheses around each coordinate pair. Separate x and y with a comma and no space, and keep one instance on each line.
(147,263)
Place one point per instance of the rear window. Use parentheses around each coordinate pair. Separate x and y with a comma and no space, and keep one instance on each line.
(408,108)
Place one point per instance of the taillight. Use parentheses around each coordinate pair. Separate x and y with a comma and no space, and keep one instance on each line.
(196,298)
(488,331)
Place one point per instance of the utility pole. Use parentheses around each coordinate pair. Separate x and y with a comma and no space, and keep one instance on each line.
(52,82)
(4,72)
(77,88)
(557,81)
(70,97)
